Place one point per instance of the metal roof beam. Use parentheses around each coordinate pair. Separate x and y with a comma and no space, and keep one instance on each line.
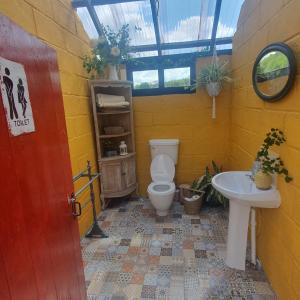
(85,3)
(95,19)
(155,23)
(180,45)
(215,24)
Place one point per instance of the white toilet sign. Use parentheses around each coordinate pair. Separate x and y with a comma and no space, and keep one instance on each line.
(15,97)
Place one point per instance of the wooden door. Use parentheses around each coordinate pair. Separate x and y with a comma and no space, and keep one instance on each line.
(129,172)
(111,177)
(40,254)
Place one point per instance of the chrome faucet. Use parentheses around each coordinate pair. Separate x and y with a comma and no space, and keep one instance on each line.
(250,176)
(255,168)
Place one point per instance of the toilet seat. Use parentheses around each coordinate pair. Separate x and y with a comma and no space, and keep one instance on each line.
(161,188)
(162,168)
(161,191)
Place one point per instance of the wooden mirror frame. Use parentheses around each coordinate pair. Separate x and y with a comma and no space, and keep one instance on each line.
(288,52)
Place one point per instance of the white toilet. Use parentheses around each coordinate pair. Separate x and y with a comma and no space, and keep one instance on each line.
(161,191)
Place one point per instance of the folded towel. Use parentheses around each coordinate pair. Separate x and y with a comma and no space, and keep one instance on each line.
(104,100)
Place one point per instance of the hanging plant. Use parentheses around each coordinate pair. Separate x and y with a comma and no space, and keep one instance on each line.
(110,50)
(212,77)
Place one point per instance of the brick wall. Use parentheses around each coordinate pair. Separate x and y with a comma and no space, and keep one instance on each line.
(263,22)
(56,23)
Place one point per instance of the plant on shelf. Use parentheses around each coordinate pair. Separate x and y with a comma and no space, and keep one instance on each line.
(268,164)
(212,77)
(211,197)
(111,49)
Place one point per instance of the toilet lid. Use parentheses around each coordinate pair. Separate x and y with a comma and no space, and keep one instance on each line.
(162,168)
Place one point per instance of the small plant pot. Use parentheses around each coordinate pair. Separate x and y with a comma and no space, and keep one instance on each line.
(213,89)
(263,181)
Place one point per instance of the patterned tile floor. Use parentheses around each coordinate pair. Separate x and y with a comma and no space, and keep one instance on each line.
(174,257)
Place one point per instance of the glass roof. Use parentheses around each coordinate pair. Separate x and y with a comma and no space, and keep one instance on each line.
(87,22)
(182,21)
(229,14)
(137,14)
(187,25)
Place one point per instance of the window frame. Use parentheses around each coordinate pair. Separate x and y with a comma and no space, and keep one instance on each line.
(161,63)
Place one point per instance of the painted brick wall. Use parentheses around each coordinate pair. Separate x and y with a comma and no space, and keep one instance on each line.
(263,22)
(56,23)
(188,118)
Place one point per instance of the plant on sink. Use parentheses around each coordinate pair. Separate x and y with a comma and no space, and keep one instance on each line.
(211,197)
(269,164)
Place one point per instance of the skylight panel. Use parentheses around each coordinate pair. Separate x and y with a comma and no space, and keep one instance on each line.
(182,21)
(144,54)
(230,11)
(87,22)
(185,50)
(137,14)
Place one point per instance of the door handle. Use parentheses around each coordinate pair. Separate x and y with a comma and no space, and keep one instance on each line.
(75,205)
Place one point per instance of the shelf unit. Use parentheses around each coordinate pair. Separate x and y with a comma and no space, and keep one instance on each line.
(107,136)
(118,175)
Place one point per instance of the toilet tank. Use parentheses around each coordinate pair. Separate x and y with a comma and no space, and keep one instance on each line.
(165,146)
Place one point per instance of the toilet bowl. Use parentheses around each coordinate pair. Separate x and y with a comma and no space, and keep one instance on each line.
(161,191)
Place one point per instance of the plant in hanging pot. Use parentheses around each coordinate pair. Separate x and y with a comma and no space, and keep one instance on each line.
(109,52)
(270,164)
(212,77)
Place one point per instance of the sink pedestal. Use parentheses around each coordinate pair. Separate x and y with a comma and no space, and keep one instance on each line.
(237,235)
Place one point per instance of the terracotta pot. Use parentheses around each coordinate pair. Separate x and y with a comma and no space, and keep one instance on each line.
(263,181)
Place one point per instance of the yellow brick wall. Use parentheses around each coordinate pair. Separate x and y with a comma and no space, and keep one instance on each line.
(188,118)
(263,22)
(56,23)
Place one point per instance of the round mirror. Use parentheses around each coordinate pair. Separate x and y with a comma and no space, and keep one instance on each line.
(274,72)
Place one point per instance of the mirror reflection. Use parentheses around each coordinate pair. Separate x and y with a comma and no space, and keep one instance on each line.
(272,73)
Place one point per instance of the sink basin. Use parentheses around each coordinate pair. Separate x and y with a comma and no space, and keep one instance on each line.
(238,186)
(242,193)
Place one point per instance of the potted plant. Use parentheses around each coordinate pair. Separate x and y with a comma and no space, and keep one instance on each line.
(211,197)
(110,51)
(212,77)
(270,164)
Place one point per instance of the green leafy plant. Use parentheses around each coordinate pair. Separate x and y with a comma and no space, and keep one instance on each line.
(272,165)
(214,72)
(111,48)
(211,196)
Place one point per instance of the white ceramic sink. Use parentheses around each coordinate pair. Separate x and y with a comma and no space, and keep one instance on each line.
(242,193)
(238,186)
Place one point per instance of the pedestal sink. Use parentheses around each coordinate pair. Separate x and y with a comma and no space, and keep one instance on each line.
(239,188)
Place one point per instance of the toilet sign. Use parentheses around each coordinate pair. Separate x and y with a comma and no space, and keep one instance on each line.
(15,97)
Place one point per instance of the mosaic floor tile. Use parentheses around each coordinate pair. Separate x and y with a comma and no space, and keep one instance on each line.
(148,291)
(177,257)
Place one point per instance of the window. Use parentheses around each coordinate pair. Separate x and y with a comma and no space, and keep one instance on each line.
(172,74)
(145,79)
(177,77)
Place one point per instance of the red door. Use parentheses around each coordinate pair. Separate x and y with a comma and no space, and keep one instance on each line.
(40,254)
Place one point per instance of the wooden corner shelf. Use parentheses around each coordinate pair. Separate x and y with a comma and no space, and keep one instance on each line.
(118,173)
(108,136)
(115,112)
(113,158)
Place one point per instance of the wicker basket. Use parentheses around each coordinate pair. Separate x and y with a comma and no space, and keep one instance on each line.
(190,207)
